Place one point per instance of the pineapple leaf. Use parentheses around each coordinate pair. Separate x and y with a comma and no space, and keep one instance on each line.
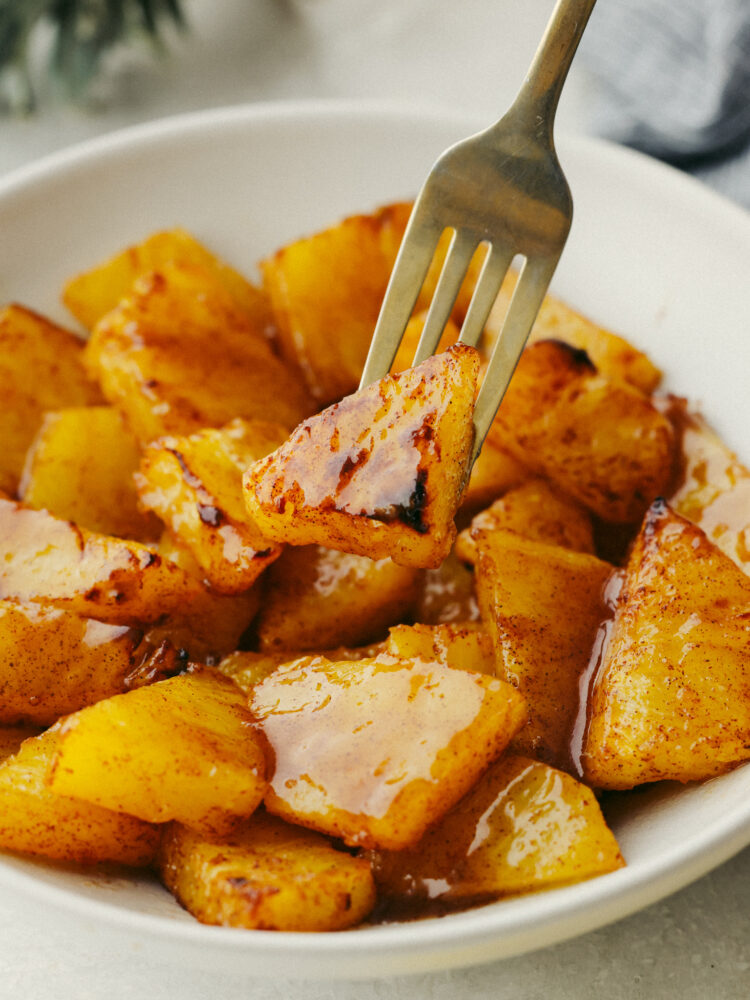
(83,31)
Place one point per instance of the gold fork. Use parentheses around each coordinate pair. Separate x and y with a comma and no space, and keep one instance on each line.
(502,188)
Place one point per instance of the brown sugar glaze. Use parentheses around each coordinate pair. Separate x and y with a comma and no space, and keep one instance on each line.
(327,733)
(588,677)
(361,479)
(710,486)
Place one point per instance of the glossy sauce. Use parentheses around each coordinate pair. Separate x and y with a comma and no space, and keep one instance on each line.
(588,678)
(711,487)
(523,827)
(379,474)
(359,734)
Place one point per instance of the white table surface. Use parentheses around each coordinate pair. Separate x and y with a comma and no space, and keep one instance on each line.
(466,55)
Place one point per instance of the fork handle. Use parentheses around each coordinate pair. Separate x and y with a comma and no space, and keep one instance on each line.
(537,99)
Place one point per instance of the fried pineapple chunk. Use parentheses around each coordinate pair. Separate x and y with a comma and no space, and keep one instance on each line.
(181,749)
(268,876)
(53,662)
(537,511)
(194,484)
(523,827)
(407,347)
(41,368)
(612,355)
(326,292)
(542,606)
(46,560)
(177,355)
(462,646)
(603,443)
(714,486)
(447,594)
(316,598)
(671,699)
(35,820)
(247,668)
(377,750)
(494,472)
(379,474)
(80,467)
(92,294)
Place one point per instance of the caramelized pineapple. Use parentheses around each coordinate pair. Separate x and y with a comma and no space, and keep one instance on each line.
(181,749)
(46,560)
(247,668)
(537,511)
(177,354)
(41,368)
(671,699)
(267,876)
(194,484)
(316,598)
(377,750)
(53,662)
(379,474)
(80,467)
(603,443)
(714,486)
(92,294)
(462,646)
(522,828)
(407,347)
(35,820)
(494,472)
(447,594)
(611,354)
(543,606)
(326,291)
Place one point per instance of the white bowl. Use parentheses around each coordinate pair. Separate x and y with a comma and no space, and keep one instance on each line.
(652,254)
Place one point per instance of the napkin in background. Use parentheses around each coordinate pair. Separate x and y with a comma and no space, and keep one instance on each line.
(673,80)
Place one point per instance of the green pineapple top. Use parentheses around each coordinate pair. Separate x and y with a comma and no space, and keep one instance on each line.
(83,30)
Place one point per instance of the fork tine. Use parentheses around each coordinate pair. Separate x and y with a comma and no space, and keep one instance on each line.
(457,260)
(491,278)
(524,305)
(411,267)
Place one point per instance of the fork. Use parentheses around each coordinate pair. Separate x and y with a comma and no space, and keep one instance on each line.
(502,188)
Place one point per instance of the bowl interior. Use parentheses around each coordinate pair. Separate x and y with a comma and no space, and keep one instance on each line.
(652,255)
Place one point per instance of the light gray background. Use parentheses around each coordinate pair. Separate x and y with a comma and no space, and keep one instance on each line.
(465,55)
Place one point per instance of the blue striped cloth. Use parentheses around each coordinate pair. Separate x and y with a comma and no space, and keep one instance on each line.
(673,80)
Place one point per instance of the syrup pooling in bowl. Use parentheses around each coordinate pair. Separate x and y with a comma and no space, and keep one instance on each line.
(523,826)
(711,487)
(587,680)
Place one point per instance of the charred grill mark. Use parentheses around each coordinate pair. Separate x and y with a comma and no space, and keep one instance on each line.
(410,513)
(579,357)
(80,540)
(656,513)
(350,466)
(210,515)
(190,478)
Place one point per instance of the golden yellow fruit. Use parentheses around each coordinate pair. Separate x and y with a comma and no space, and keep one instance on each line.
(269,875)
(671,698)
(379,474)
(181,749)
(374,751)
